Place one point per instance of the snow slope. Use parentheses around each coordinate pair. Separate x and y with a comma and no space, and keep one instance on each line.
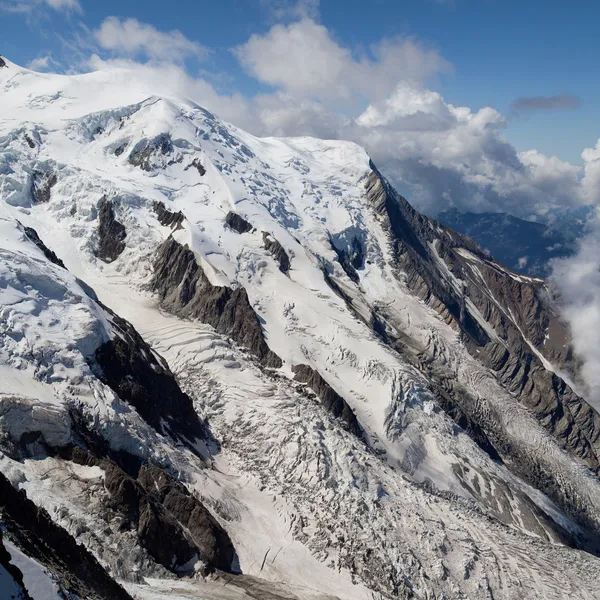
(413,506)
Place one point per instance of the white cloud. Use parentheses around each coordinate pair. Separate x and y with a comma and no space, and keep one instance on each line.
(28,6)
(130,37)
(42,63)
(304,60)
(578,282)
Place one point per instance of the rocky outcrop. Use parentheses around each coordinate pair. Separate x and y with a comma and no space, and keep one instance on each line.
(49,254)
(184,290)
(199,167)
(8,569)
(42,183)
(329,398)
(237,223)
(111,234)
(350,259)
(171,524)
(2,63)
(34,532)
(140,377)
(276,250)
(141,155)
(168,218)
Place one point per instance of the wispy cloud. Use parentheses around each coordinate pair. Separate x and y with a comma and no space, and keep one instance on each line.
(41,63)
(539,103)
(284,10)
(130,37)
(29,6)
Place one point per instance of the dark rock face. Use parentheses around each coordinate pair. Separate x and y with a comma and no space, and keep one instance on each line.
(352,259)
(168,218)
(2,63)
(199,167)
(40,538)
(519,312)
(138,376)
(6,565)
(49,254)
(30,142)
(171,524)
(184,290)
(330,399)
(111,234)
(237,223)
(276,250)
(142,156)
(42,183)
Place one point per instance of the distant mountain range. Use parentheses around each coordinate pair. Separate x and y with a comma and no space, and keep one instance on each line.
(524,246)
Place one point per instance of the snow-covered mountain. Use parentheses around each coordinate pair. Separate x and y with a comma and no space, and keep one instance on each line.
(236,367)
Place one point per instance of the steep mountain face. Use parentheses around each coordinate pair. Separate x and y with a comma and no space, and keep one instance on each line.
(241,367)
(524,246)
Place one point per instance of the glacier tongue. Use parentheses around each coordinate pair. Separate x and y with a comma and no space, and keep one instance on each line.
(356,396)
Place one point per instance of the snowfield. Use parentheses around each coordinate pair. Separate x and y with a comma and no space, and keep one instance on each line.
(411,508)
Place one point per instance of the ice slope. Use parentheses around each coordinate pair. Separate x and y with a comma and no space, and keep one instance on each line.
(306,503)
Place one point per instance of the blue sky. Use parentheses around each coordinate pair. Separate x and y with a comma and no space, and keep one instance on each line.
(499,50)
(389,74)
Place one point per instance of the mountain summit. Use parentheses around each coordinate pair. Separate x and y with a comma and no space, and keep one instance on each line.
(244,367)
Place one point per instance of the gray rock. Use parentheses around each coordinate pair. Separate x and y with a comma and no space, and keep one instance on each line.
(111,234)
(184,290)
(42,183)
(276,250)
(168,218)
(237,223)
(49,254)
(330,399)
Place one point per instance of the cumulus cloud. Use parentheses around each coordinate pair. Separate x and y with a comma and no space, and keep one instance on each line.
(537,103)
(578,282)
(304,60)
(42,63)
(130,37)
(28,6)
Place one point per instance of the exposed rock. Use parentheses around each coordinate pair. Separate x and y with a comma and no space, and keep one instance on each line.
(141,155)
(199,167)
(330,399)
(350,260)
(273,247)
(171,524)
(42,183)
(120,149)
(13,571)
(139,376)
(168,218)
(209,539)
(184,290)
(49,254)
(111,234)
(29,141)
(40,538)
(237,223)
(2,63)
